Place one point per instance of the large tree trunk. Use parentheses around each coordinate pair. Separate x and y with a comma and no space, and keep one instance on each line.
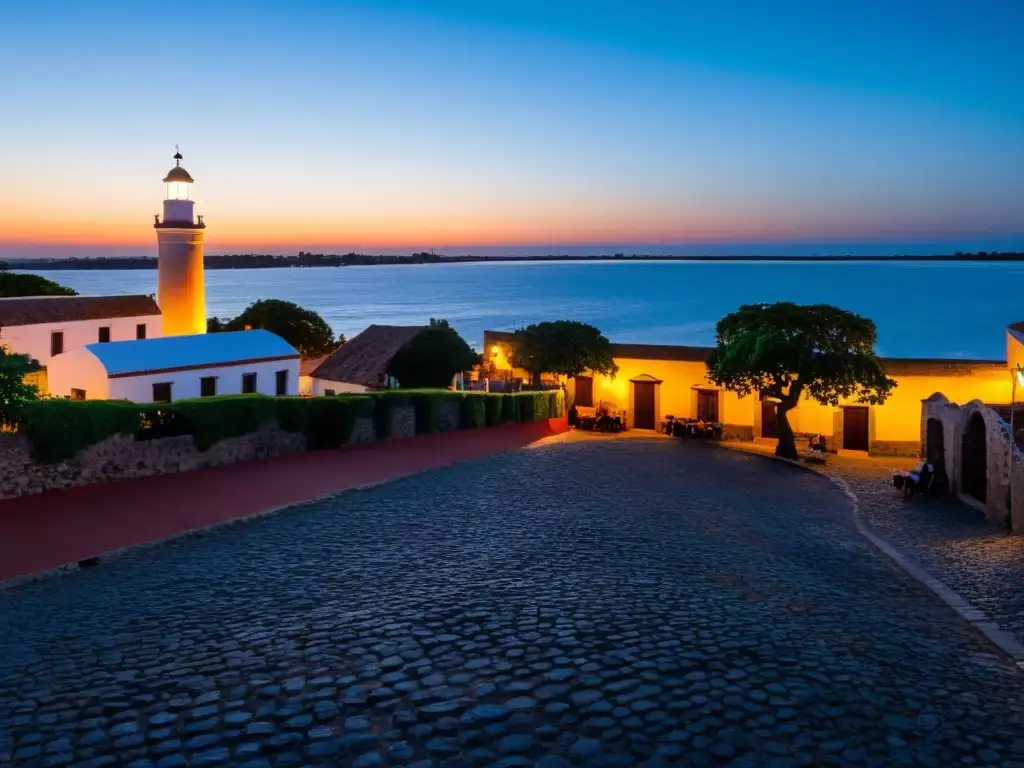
(787,444)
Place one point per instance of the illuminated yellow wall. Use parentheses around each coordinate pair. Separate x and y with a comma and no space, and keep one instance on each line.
(898,420)
(1014,350)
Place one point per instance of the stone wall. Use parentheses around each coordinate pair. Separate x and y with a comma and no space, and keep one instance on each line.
(954,420)
(122,456)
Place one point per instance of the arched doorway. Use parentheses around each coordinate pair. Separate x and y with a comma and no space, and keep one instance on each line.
(935,452)
(974,477)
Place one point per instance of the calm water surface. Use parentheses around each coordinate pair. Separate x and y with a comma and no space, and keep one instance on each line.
(921,309)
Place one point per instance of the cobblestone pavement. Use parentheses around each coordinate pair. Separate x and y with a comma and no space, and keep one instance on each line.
(955,543)
(603,602)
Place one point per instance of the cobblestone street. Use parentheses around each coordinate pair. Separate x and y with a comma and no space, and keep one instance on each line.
(972,555)
(591,602)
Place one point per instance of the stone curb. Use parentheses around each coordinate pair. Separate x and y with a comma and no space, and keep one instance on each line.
(1004,640)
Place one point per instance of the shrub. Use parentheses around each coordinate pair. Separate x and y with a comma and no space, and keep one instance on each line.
(525,406)
(474,411)
(493,408)
(327,422)
(509,409)
(212,419)
(428,410)
(58,429)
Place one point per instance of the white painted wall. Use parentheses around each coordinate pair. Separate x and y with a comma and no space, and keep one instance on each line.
(78,369)
(34,340)
(185,384)
(320,387)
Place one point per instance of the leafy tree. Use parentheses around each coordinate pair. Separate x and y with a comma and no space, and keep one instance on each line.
(432,357)
(12,285)
(564,347)
(303,328)
(215,325)
(14,392)
(784,350)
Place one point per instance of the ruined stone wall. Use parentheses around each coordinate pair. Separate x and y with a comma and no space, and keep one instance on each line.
(955,420)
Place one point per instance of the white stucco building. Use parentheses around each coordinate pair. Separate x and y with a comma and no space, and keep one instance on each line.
(177,368)
(44,326)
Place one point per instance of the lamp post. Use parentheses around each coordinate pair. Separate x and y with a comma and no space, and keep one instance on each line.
(1016,377)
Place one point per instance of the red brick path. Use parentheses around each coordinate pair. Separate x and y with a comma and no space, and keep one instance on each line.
(50,530)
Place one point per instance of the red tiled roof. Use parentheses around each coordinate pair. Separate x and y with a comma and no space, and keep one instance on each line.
(36,310)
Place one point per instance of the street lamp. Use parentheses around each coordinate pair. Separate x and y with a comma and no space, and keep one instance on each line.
(1016,377)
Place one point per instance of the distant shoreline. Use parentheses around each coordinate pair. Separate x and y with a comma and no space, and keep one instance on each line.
(308,260)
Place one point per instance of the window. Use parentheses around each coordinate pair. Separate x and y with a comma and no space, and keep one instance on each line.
(162,392)
(140,331)
(282,382)
(707,405)
(207,386)
(56,343)
(248,383)
(584,392)
(329,392)
(104,334)
(78,394)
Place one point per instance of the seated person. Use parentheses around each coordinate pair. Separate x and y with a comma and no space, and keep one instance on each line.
(912,481)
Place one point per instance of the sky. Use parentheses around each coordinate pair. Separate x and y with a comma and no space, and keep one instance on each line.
(486,127)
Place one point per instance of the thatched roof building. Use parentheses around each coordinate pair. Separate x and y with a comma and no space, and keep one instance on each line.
(364,359)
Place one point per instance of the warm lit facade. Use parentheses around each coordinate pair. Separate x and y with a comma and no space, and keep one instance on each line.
(181,286)
(655,381)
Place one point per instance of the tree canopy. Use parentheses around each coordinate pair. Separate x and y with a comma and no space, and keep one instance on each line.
(785,350)
(12,285)
(13,389)
(303,328)
(432,358)
(563,347)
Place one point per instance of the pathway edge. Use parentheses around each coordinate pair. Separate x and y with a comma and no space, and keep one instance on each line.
(1003,639)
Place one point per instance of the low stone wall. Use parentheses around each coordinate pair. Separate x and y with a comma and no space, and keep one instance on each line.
(403,422)
(737,432)
(122,456)
(906,448)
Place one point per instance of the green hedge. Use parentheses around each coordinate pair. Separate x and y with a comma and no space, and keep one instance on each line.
(474,410)
(492,405)
(509,409)
(327,422)
(59,429)
(212,419)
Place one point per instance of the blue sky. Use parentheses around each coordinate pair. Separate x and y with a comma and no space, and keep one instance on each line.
(490,127)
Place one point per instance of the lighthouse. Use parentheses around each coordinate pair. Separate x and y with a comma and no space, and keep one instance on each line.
(181,290)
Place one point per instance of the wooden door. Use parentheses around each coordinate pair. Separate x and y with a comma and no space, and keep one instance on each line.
(584,397)
(707,405)
(644,416)
(769,419)
(855,428)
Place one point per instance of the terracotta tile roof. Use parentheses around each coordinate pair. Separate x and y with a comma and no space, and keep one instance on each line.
(365,358)
(36,310)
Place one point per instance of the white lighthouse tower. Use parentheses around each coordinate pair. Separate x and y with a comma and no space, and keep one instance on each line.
(181,289)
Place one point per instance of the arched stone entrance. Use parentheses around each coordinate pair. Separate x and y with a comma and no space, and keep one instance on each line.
(973,459)
(935,452)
